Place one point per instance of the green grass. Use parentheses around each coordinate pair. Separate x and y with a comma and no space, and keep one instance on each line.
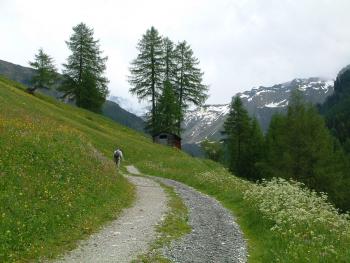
(55,187)
(210,178)
(174,226)
(265,245)
(80,180)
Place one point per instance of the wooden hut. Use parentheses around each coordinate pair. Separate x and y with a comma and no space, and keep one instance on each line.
(169,139)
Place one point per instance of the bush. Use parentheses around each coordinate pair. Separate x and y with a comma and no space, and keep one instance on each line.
(310,228)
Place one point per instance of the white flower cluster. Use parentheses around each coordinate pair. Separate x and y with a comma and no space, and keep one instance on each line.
(315,230)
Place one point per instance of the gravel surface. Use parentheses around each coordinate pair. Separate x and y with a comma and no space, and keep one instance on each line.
(129,235)
(215,236)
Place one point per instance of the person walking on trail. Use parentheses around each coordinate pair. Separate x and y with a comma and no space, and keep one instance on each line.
(118,156)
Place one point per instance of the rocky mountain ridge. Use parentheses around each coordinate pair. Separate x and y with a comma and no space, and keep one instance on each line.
(262,103)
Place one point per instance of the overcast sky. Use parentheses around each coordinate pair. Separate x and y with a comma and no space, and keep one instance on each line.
(240,43)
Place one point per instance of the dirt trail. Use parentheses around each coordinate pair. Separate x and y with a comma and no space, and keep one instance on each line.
(215,236)
(130,235)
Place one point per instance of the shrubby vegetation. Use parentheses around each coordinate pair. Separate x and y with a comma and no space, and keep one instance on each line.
(312,229)
(213,150)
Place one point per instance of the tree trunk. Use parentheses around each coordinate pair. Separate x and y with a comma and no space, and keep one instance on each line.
(153,90)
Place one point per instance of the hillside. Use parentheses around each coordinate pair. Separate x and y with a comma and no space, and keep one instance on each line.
(129,106)
(336,108)
(115,112)
(262,103)
(16,72)
(58,185)
(110,108)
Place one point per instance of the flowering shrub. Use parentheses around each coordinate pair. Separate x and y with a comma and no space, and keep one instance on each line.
(311,228)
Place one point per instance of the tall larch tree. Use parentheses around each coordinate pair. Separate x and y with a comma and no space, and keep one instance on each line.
(46,72)
(169,61)
(188,81)
(147,70)
(84,78)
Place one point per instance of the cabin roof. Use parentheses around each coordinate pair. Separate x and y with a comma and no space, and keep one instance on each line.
(173,134)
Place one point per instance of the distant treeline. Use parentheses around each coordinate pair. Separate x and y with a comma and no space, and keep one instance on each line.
(301,145)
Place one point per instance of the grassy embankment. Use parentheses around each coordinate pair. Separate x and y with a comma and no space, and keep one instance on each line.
(314,231)
(55,187)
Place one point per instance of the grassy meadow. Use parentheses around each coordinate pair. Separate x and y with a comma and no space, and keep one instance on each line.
(58,184)
(55,186)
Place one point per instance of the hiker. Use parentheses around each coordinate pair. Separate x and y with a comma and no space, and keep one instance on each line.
(118,156)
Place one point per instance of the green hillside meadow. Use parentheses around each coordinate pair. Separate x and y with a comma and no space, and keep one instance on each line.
(58,184)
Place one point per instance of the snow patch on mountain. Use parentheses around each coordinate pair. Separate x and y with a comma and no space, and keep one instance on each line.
(210,118)
(317,85)
(261,102)
(282,103)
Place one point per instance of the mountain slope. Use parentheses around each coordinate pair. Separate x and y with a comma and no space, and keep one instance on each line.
(336,108)
(16,72)
(110,109)
(128,105)
(115,112)
(262,103)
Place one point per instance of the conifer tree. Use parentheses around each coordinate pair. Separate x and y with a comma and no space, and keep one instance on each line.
(169,61)
(237,128)
(300,147)
(310,146)
(188,82)
(46,72)
(83,74)
(167,110)
(147,70)
(275,146)
(255,152)
(337,111)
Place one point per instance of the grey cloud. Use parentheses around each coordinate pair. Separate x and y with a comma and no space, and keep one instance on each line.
(240,44)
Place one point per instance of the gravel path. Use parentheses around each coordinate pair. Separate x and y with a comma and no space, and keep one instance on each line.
(215,236)
(129,235)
